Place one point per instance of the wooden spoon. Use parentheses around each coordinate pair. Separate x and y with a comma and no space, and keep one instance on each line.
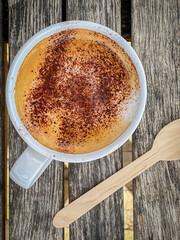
(166,147)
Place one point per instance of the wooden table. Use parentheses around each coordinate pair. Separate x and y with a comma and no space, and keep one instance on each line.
(154,36)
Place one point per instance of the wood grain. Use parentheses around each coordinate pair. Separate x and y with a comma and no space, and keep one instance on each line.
(107,217)
(31,211)
(156,192)
(2,110)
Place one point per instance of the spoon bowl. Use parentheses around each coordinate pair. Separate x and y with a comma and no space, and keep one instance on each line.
(167,142)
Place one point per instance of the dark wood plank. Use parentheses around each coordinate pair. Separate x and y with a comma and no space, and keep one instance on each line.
(157,191)
(2,154)
(126,19)
(105,221)
(31,211)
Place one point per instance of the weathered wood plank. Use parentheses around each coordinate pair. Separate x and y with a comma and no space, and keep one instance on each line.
(2,104)
(105,221)
(157,191)
(31,211)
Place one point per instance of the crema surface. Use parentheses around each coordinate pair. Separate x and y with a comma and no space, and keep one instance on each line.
(77,91)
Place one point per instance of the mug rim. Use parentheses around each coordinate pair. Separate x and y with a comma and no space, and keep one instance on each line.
(10,90)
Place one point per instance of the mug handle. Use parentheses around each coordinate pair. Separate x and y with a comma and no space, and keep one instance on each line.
(29,167)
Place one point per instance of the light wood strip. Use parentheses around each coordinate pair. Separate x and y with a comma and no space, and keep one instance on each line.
(2,146)
(128,194)
(6,139)
(66,195)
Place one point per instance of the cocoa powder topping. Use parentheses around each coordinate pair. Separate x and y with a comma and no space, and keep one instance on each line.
(82,83)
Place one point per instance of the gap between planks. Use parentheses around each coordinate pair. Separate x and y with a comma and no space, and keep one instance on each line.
(128,194)
(6,152)
(66,196)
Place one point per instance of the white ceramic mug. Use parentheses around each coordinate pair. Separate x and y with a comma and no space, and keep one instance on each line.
(37,157)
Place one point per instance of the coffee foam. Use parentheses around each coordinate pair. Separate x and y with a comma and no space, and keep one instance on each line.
(130,107)
(70,106)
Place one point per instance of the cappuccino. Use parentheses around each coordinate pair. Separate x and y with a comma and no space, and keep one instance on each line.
(77,91)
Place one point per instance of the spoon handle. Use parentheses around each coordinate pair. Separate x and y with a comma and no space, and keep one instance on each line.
(103,190)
